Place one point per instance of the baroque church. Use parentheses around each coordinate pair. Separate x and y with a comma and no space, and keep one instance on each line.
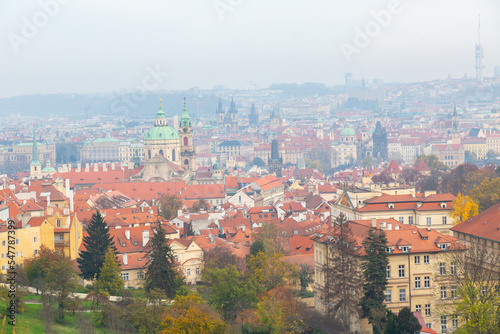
(168,154)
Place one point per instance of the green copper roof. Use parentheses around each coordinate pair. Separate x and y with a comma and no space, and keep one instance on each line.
(185,119)
(104,140)
(161,131)
(48,170)
(347,131)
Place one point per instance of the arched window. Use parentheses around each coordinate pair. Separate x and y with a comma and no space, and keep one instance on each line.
(161,153)
(149,154)
(173,155)
(185,141)
(186,162)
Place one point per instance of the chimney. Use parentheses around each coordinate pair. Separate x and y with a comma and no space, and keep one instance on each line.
(389,226)
(374,222)
(96,167)
(145,238)
(69,167)
(179,213)
(87,167)
(66,211)
(48,200)
(112,166)
(66,186)
(127,234)
(104,166)
(125,259)
(50,210)
(78,167)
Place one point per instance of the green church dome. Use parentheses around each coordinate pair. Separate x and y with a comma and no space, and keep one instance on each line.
(161,130)
(347,131)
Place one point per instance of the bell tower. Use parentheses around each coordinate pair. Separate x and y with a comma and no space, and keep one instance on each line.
(188,154)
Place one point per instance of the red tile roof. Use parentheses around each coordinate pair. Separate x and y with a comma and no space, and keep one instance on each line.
(484,225)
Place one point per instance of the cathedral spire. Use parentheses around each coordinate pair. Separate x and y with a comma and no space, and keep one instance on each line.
(34,158)
(185,119)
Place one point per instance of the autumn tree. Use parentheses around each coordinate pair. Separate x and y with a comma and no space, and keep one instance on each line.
(487,193)
(374,266)
(476,279)
(343,279)
(220,257)
(410,175)
(459,179)
(96,244)
(271,238)
(229,290)
(463,208)
(169,206)
(110,279)
(161,273)
(190,314)
(382,178)
(280,311)
(432,162)
(200,205)
(271,271)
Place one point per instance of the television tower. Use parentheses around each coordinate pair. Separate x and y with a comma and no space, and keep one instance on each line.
(479,53)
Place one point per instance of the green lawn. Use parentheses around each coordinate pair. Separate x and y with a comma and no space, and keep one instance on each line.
(30,321)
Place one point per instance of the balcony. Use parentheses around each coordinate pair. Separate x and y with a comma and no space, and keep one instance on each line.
(61,243)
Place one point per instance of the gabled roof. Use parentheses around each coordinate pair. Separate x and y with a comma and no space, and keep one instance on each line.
(421,166)
(484,225)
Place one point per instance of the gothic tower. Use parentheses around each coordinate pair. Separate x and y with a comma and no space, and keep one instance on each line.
(379,137)
(220,114)
(275,161)
(188,154)
(253,118)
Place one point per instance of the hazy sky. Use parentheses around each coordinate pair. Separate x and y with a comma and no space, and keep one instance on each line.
(101,46)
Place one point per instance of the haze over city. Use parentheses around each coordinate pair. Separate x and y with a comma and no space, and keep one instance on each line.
(91,46)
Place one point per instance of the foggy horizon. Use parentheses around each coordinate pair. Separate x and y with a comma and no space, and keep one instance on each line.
(102,48)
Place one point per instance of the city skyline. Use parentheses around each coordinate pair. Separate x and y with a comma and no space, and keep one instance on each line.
(88,48)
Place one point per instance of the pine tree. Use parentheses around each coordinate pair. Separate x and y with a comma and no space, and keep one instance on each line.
(160,271)
(374,272)
(110,278)
(96,245)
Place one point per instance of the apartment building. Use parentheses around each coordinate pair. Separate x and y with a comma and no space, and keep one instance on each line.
(419,272)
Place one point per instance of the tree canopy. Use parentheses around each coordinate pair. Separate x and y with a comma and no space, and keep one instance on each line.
(169,206)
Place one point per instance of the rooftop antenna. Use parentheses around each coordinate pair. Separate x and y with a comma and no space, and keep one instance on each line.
(479,53)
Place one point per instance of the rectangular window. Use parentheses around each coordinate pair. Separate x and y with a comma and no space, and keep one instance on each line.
(427,282)
(442,268)
(125,276)
(189,272)
(444,323)
(454,321)
(402,295)
(401,271)
(410,220)
(388,272)
(429,221)
(443,292)
(58,223)
(428,325)
(388,297)
(453,293)
(418,308)
(3,243)
(34,239)
(402,220)
(197,271)
(445,221)
(417,259)
(17,241)
(453,268)
(140,275)
(426,259)
(417,283)
(427,310)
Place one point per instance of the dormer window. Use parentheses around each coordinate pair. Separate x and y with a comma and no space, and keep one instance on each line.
(389,250)
(390,205)
(405,249)
(442,205)
(444,246)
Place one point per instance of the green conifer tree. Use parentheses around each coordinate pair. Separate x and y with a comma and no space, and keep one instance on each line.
(110,279)
(160,269)
(96,245)
(374,273)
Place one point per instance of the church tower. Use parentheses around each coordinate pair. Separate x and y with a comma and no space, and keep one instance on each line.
(233,116)
(220,114)
(455,135)
(275,162)
(188,154)
(35,165)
